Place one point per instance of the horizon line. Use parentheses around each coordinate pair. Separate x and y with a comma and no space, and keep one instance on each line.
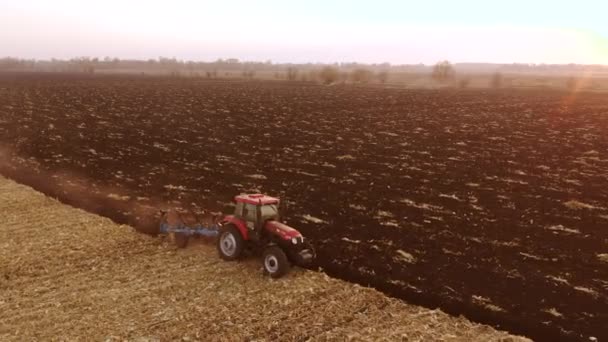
(236,60)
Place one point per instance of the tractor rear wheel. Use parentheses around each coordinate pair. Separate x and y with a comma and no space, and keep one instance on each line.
(230,243)
(181,240)
(276,263)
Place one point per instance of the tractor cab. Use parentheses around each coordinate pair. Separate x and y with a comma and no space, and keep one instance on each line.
(255,209)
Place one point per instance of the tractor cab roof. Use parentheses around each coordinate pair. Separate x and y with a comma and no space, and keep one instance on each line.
(256,199)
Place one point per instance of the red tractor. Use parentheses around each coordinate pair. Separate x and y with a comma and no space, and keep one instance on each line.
(256,226)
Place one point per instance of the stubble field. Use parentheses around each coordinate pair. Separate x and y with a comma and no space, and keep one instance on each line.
(492,204)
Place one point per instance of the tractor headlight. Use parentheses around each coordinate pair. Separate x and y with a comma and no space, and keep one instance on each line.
(294,241)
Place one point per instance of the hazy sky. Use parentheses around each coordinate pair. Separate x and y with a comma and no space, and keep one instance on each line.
(527,31)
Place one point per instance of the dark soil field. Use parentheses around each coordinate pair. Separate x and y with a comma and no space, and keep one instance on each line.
(491,204)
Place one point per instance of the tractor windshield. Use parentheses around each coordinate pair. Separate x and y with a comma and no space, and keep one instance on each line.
(269,211)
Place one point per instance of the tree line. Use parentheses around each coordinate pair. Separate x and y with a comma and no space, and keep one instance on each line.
(441,73)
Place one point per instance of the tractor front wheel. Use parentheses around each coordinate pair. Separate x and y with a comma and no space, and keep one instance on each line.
(230,243)
(276,263)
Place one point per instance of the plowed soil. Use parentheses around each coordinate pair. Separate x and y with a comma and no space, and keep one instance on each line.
(70,275)
(492,204)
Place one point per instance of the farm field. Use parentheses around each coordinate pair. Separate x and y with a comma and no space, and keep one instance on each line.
(491,204)
(69,274)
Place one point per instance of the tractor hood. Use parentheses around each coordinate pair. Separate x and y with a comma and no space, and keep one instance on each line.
(282,230)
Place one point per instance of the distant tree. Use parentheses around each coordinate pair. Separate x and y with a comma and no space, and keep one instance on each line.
(496,81)
(8,63)
(443,72)
(84,65)
(248,74)
(464,83)
(361,75)
(328,75)
(382,76)
(292,74)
